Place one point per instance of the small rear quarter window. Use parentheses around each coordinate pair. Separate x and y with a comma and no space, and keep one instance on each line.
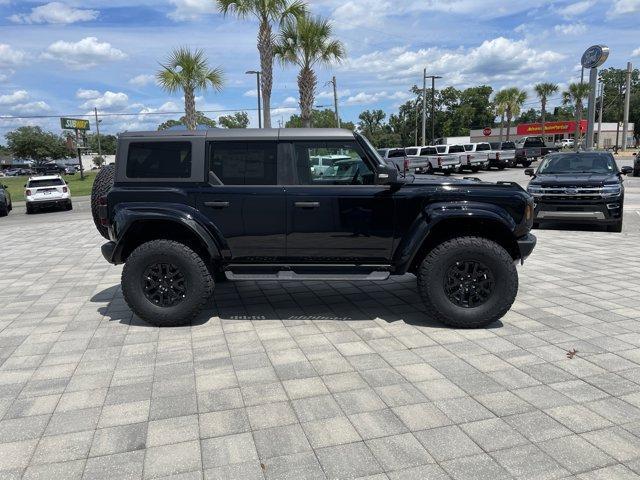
(159,160)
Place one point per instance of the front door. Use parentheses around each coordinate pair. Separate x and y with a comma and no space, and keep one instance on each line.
(338,215)
(244,201)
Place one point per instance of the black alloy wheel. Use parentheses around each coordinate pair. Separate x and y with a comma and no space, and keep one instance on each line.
(468,283)
(164,284)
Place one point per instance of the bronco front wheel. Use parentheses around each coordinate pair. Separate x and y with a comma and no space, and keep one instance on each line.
(468,282)
(166,283)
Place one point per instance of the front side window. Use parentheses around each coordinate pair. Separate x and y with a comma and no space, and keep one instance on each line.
(159,160)
(343,163)
(245,163)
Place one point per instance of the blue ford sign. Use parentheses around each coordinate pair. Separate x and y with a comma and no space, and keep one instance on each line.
(595,56)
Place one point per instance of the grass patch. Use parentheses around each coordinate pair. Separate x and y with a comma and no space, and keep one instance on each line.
(77,186)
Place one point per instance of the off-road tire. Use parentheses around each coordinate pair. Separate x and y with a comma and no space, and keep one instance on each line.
(431,277)
(101,186)
(29,209)
(4,209)
(198,281)
(69,206)
(429,169)
(527,164)
(475,169)
(615,228)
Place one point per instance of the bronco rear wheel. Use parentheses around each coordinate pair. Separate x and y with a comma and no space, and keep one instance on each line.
(468,282)
(101,186)
(166,283)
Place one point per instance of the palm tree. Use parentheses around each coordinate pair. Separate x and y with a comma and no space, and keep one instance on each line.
(499,102)
(544,91)
(513,100)
(189,71)
(305,43)
(267,12)
(575,95)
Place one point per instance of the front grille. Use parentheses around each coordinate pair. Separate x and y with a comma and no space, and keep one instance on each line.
(571,193)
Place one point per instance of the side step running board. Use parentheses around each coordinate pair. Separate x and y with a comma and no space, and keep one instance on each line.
(292,276)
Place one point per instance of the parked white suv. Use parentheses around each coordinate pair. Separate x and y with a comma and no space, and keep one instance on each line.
(47,191)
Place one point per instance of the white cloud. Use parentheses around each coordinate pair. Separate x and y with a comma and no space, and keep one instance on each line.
(251,93)
(290,101)
(576,9)
(9,57)
(87,94)
(571,29)
(55,12)
(624,7)
(31,107)
(364,98)
(142,80)
(13,98)
(106,101)
(636,52)
(191,9)
(85,53)
(493,60)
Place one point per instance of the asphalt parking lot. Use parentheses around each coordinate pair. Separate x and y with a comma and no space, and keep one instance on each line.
(318,379)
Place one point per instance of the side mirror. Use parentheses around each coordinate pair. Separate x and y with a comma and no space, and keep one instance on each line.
(529,172)
(626,170)
(386,175)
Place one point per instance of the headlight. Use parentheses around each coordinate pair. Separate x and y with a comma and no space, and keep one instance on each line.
(611,190)
(534,190)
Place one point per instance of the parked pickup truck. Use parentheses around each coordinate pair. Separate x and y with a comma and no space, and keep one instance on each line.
(183,210)
(502,154)
(395,157)
(529,149)
(477,156)
(433,159)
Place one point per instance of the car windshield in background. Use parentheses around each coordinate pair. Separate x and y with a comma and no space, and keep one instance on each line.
(508,146)
(53,182)
(578,163)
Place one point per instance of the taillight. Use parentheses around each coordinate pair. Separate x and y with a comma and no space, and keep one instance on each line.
(102,211)
(468,158)
(28,193)
(65,189)
(498,156)
(439,161)
(405,165)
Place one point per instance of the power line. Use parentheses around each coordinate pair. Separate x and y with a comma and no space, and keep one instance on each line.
(123,114)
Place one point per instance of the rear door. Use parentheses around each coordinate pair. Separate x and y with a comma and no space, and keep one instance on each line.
(243,199)
(343,217)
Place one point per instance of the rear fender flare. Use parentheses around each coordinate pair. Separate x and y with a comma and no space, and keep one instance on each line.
(126,216)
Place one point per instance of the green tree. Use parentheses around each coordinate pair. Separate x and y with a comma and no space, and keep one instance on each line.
(201,119)
(575,95)
(373,126)
(614,84)
(190,72)
(529,116)
(544,91)
(267,12)
(36,144)
(4,150)
(108,143)
(319,119)
(98,161)
(237,120)
(513,100)
(306,42)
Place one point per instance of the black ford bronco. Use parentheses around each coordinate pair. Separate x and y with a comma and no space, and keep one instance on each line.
(182,210)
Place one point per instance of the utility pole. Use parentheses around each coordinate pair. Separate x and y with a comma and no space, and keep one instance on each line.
(424,107)
(627,96)
(335,100)
(600,116)
(257,74)
(95,111)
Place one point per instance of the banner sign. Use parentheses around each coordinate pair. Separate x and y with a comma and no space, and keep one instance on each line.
(551,128)
(74,124)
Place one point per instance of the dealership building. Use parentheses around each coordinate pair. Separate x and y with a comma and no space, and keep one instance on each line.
(556,131)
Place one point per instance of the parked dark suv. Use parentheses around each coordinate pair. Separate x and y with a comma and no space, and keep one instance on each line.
(188,208)
(579,187)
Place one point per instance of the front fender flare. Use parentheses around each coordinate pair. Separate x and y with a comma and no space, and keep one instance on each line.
(433,215)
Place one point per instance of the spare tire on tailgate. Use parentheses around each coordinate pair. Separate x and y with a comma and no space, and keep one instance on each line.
(101,186)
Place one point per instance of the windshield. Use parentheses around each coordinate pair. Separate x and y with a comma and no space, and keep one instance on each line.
(578,163)
(371,150)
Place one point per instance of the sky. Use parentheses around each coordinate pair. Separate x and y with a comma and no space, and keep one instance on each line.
(67,57)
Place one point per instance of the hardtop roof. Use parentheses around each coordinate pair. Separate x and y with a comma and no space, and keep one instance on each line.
(249,134)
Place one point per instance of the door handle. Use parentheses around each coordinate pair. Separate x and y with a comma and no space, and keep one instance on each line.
(217,204)
(307,204)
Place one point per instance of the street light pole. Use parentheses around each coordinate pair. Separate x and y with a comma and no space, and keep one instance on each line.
(627,96)
(257,74)
(600,116)
(95,111)
(334,83)
(424,106)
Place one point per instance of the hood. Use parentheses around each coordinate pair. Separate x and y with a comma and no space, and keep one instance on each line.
(575,180)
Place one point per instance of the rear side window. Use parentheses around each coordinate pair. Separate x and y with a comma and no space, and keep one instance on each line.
(54,182)
(159,160)
(245,163)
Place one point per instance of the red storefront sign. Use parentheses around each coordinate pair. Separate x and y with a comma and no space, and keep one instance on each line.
(551,128)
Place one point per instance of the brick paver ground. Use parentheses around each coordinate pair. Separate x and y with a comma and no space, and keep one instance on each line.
(317,379)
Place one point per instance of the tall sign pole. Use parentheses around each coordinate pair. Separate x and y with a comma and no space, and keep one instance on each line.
(424,107)
(600,116)
(335,100)
(592,58)
(95,111)
(627,96)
